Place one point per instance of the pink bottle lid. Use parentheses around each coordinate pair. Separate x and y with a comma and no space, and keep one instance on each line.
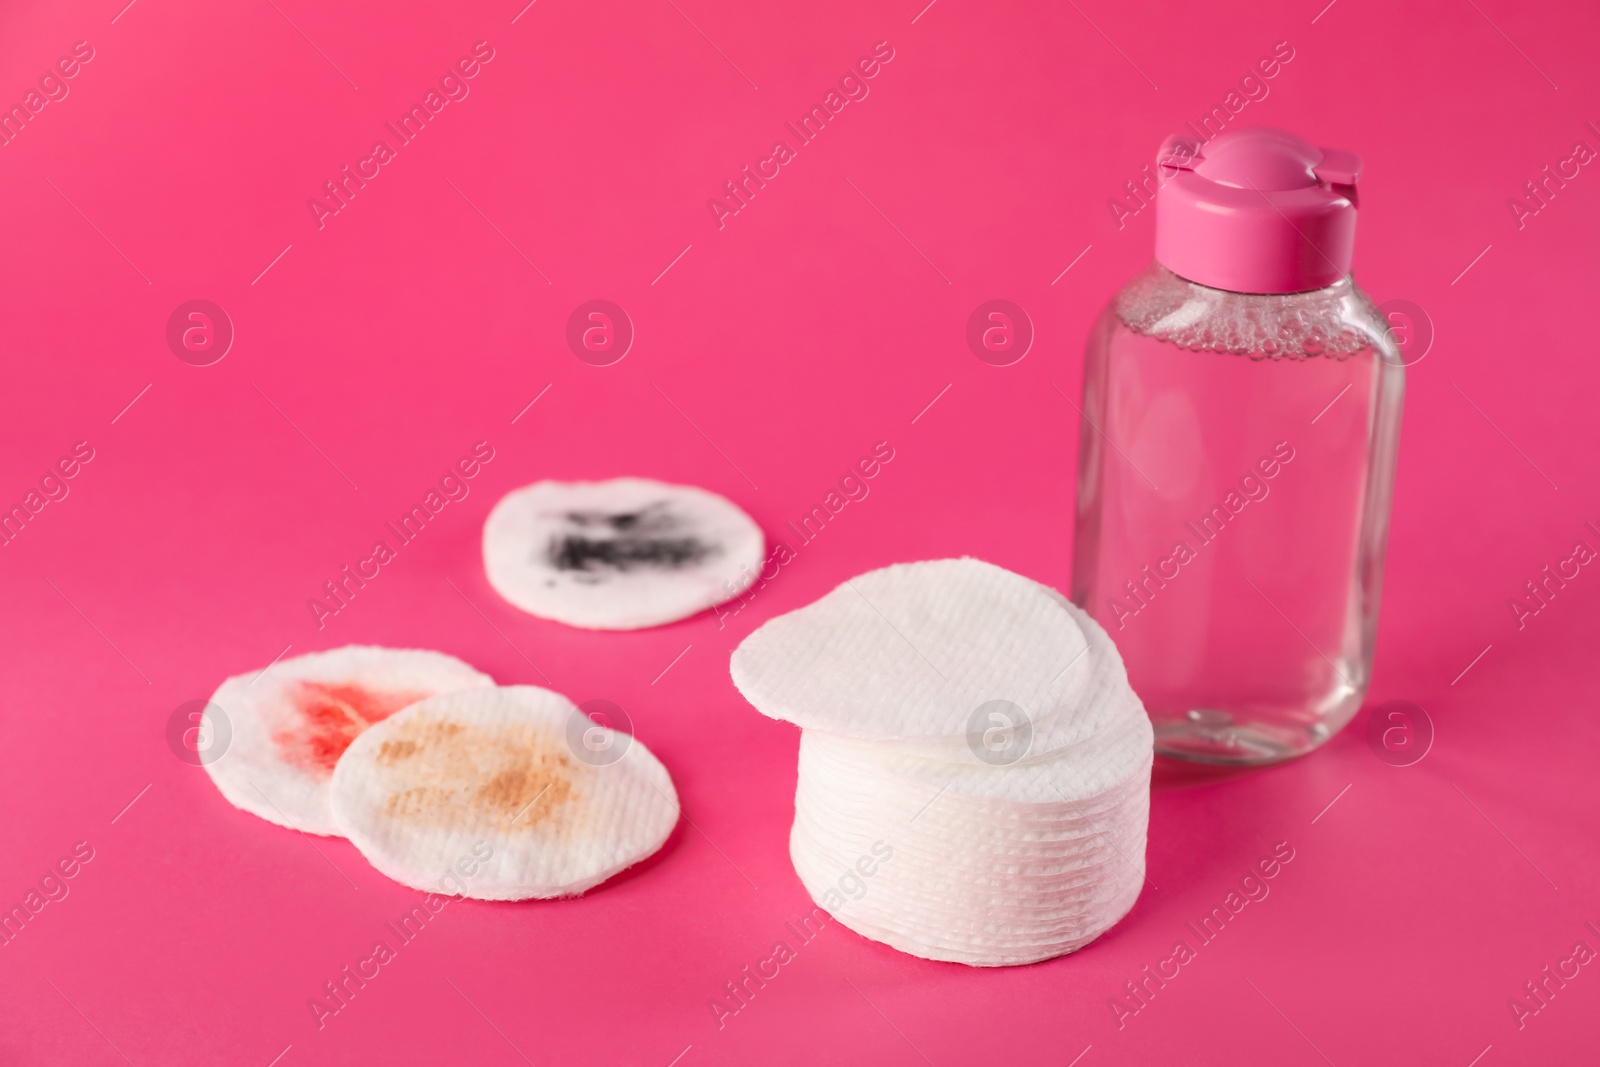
(1256,210)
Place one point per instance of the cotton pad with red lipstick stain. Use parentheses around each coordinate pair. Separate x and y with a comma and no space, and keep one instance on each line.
(293,721)
(620,554)
(501,794)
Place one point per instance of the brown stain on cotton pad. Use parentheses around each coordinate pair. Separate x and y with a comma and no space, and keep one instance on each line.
(504,778)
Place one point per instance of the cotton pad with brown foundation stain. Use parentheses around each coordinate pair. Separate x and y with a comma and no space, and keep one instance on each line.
(484,793)
(291,723)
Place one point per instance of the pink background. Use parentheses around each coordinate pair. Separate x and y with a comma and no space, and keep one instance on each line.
(794,338)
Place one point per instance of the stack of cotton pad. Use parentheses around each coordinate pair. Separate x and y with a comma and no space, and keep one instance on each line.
(983,728)
(621,554)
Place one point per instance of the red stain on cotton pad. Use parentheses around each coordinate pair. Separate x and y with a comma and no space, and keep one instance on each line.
(326,718)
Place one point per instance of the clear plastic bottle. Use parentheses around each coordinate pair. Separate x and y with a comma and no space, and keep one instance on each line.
(1241,410)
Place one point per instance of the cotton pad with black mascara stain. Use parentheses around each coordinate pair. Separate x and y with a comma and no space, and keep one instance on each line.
(291,723)
(620,554)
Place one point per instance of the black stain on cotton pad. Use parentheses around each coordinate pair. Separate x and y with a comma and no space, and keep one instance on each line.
(651,538)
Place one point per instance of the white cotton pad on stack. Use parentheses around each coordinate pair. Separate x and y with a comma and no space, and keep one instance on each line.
(621,554)
(292,722)
(982,728)
(489,776)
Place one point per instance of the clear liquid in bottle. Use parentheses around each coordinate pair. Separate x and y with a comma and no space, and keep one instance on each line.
(1236,455)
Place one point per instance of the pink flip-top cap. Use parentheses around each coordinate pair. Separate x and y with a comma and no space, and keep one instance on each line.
(1256,210)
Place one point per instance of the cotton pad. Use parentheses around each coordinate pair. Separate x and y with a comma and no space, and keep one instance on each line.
(912,650)
(620,554)
(992,866)
(980,728)
(486,780)
(291,723)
